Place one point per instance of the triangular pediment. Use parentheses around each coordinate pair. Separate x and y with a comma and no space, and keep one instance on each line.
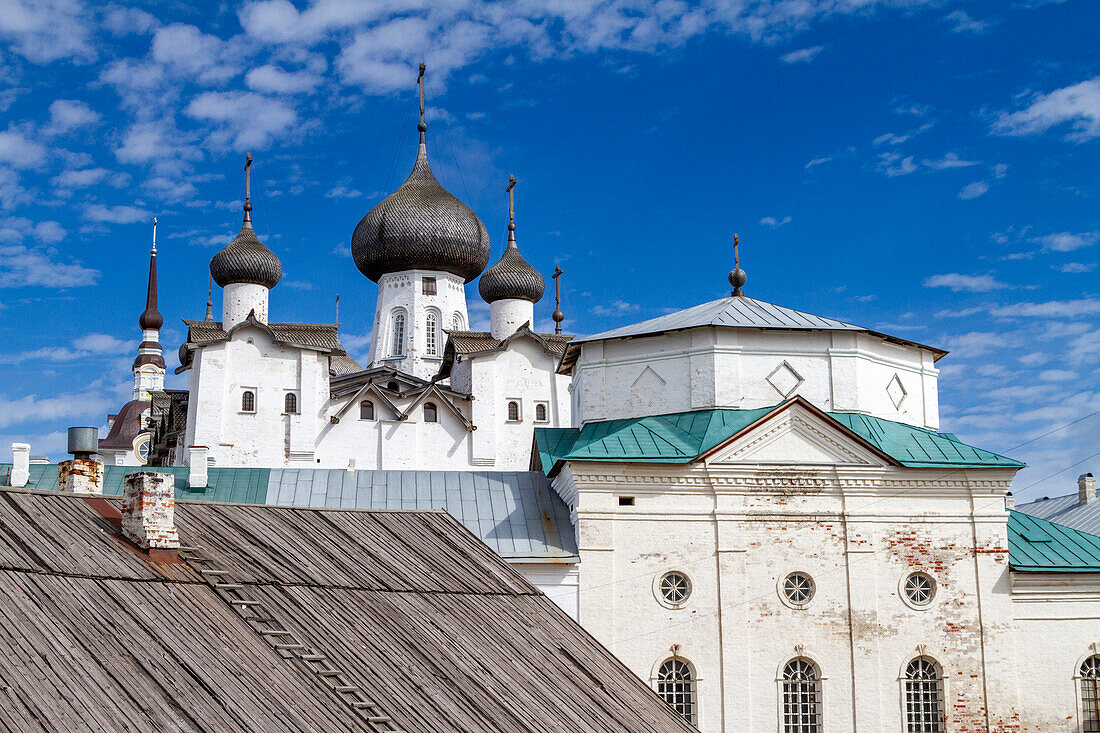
(795,435)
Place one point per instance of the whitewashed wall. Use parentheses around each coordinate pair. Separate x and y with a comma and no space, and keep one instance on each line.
(748,368)
(858,527)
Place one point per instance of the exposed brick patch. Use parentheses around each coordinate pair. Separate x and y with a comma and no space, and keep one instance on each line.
(149,510)
(80,476)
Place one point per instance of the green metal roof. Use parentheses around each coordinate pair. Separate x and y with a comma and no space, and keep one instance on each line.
(1036,545)
(683,437)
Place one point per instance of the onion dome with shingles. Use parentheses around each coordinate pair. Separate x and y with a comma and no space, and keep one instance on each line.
(246,260)
(511,278)
(420,226)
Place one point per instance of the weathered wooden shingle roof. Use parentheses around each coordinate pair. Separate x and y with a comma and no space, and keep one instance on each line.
(516,513)
(415,615)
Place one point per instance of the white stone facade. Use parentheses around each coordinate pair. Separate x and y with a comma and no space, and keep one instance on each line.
(746,368)
(414,309)
(797,495)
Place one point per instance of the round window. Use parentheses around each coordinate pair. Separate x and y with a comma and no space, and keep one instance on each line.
(674,588)
(920,589)
(798,589)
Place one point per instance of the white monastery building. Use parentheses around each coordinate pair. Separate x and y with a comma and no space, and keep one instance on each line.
(753,507)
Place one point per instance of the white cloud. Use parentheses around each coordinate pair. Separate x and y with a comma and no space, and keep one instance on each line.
(814,162)
(1067,241)
(297,284)
(615,308)
(975,343)
(274,80)
(974,190)
(965,283)
(343,192)
(893,165)
(1049,309)
(963,23)
(19,151)
(771,221)
(188,52)
(1078,105)
(123,214)
(84,177)
(43,31)
(22,266)
(242,119)
(69,114)
(1076,267)
(802,55)
(12,192)
(124,21)
(949,161)
(30,408)
(1057,375)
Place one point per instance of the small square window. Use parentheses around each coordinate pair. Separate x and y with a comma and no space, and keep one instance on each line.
(626,501)
(429,285)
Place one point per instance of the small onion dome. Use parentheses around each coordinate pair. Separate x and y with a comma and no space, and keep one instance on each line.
(420,226)
(511,278)
(151,319)
(246,260)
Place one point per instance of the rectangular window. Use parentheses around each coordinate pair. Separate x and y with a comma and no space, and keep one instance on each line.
(429,285)
(626,501)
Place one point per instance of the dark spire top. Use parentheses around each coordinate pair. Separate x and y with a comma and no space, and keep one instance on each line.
(557,315)
(737,276)
(151,317)
(420,226)
(209,299)
(511,277)
(246,259)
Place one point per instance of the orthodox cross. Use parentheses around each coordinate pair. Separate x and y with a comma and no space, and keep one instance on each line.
(558,316)
(511,209)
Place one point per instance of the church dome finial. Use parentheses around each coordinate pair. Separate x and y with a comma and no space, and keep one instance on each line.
(420,226)
(246,259)
(737,276)
(511,277)
(151,319)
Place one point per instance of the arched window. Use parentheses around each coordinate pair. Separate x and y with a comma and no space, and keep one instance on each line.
(540,412)
(1090,694)
(430,413)
(801,697)
(290,404)
(397,347)
(676,684)
(248,401)
(923,697)
(513,411)
(366,410)
(456,322)
(430,334)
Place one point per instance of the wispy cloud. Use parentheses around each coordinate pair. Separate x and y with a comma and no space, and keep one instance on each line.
(948,162)
(615,308)
(893,164)
(771,221)
(965,283)
(974,190)
(802,55)
(1067,241)
(961,22)
(1077,105)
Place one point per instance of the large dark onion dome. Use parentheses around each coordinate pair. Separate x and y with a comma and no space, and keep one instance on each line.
(246,259)
(420,226)
(511,278)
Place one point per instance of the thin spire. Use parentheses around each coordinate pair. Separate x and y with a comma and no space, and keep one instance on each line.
(511,210)
(558,316)
(248,189)
(737,276)
(150,318)
(154,250)
(338,308)
(421,126)
(209,299)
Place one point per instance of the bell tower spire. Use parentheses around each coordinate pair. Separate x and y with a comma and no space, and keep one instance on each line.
(148,367)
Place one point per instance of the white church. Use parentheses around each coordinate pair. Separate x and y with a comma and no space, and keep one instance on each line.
(753,507)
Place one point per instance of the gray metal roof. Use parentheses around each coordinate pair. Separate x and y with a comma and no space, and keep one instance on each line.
(516,513)
(1067,511)
(286,620)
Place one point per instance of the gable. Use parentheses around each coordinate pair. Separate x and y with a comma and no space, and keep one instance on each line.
(794,436)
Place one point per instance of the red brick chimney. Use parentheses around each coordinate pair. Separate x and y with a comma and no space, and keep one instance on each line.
(149,510)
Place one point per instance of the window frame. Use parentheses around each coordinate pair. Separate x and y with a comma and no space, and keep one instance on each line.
(370,404)
(458,323)
(940,683)
(659,593)
(398,338)
(508,410)
(431,334)
(248,393)
(434,408)
(692,686)
(781,588)
(289,397)
(782,681)
(428,285)
(545,407)
(903,584)
(1080,679)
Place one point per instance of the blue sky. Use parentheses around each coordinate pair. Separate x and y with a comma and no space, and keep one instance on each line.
(924,168)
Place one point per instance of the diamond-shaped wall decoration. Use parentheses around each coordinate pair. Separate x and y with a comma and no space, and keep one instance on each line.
(896,391)
(785,380)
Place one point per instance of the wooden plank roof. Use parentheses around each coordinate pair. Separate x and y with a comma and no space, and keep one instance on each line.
(424,618)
